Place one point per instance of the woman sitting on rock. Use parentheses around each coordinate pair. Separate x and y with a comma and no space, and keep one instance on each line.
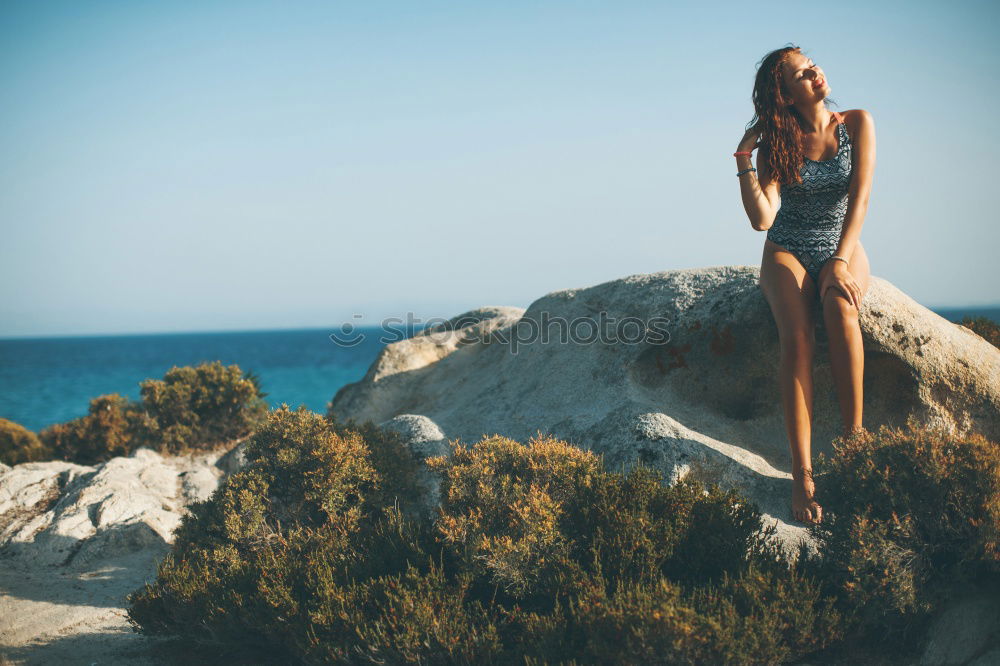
(819,165)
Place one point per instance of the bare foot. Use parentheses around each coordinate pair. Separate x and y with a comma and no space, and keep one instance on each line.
(804,508)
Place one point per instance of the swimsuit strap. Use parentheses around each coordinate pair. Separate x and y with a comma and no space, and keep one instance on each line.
(843,138)
(841,129)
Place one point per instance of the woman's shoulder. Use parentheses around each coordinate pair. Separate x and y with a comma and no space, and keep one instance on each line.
(854,119)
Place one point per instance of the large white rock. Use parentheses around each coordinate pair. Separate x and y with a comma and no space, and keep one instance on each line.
(76,539)
(61,513)
(706,402)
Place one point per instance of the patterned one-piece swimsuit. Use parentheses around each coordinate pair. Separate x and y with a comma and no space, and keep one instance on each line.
(811,216)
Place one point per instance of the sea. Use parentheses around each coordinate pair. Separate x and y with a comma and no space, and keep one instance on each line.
(47,380)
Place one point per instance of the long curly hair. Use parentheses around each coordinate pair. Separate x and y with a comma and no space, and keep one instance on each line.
(781,133)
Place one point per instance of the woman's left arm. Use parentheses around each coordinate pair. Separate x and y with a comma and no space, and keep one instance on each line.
(862,169)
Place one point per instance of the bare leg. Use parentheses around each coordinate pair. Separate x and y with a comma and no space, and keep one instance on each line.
(790,292)
(847,355)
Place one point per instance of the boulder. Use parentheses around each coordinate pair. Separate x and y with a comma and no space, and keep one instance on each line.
(677,369)
(61,513)
(75,539)
(966,630)
(425,440)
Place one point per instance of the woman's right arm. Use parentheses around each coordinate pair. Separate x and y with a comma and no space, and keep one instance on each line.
(761,194)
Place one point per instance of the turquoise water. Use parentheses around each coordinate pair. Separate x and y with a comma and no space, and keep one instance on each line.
(50,380)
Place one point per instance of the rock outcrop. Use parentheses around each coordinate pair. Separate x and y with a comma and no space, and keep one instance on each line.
(61,513)
(705,400)
(76,539)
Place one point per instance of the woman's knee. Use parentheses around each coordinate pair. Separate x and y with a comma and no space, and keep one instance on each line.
(836,306)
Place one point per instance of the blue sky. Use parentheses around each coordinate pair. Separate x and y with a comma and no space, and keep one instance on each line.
(175,166)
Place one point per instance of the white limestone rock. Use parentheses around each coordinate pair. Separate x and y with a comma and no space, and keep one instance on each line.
(61,513)
(966,630)
(705,401)
(424,439)
(76,539)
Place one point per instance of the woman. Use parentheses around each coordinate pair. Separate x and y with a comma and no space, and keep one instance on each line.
(818,164)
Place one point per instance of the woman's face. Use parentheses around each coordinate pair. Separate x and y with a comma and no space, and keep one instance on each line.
(805,82)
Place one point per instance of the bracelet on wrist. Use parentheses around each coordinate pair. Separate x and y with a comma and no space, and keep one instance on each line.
(745,171)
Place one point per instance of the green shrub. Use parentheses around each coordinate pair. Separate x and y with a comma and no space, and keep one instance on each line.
(18,444)
(536,552)
(390,457)
(755,617)
(984,327)
(518,511)
(586,564)
(190,408)
(111,428)
(908,513)
(202,406)
(266,561)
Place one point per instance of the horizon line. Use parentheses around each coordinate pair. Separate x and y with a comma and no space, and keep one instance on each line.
(120,334)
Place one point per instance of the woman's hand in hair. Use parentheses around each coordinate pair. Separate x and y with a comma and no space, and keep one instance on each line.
(749,140)
(834,274)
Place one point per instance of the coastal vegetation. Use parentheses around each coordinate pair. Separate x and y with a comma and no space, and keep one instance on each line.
(18,444)
(315,553)
(191,408)
(326,547)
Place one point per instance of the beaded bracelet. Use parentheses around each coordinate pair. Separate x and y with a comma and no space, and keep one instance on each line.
(745,171)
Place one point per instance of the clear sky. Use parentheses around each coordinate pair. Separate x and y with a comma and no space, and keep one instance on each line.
(173,165)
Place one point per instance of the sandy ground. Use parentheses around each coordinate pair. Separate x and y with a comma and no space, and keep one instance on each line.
(62,616)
